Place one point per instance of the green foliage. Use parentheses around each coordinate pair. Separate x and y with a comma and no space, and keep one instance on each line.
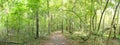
(74,15)
(118,36)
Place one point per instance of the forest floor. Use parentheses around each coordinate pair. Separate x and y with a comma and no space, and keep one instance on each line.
(57,38)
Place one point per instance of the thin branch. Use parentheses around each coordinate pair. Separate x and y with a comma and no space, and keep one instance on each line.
(74,5)
(115,13)
(75,14)
(113,21)
(102,15)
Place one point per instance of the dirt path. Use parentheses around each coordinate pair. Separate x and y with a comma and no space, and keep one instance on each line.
(57,38)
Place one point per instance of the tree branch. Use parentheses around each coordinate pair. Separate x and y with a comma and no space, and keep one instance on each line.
(102,15)
(112,24)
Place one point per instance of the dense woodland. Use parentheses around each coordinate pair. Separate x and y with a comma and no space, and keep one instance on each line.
(83,22)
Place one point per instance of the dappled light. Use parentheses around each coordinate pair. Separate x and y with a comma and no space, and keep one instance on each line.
(59,22)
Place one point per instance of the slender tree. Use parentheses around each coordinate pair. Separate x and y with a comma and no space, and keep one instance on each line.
(112,24)
(48,16)
(102,15)
(37,24)
(62,26)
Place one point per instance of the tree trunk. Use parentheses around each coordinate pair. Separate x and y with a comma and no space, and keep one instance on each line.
(119,30)
(62,25)
(102,15)
(48,16)
(112,24)
(37,25)
(7,26)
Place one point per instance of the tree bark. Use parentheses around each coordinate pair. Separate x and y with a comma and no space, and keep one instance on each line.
(62,25)
(48,16)
(37,25)
(102,15)
(112,24)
